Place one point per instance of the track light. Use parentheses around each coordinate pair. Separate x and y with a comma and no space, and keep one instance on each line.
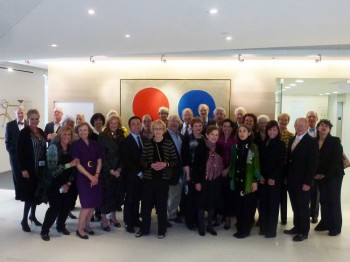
(318,58)
(163,59)
(92,60)
(240,58)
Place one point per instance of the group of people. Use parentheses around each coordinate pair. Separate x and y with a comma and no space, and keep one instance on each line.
(195,170)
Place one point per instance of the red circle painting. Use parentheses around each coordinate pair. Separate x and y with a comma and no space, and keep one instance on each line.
(148,101)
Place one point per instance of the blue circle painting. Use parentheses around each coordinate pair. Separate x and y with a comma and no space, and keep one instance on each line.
(193,99)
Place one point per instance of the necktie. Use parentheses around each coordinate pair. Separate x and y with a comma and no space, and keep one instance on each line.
(20,123)
(186,131)
(139,142)
(295,143)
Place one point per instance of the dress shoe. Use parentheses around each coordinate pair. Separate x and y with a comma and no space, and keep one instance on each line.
(314,220)
(130,229)
(139,234)
(25,226)
(105,228)
(35,221)
(201,232)
(333,233)
(64,231)
(240,235)
(45,237)
(168,224)
(116,224)
(320,227)
(81,236)
(269,235)
(72,216)
(290,231)
(212,231)
(299,237)
(161,236)
(90,232)
(177,220)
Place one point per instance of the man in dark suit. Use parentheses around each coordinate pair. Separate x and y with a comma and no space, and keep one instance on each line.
(302,164)
(52,128)
(12,131)
(131,148)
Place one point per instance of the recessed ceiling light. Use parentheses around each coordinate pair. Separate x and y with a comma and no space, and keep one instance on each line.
(287,87)
(335,92)
(327,93)
(213,11)
(321,94)
(91,11)
(299,81)
(228,38)
(293,84)
(54,45)
(127,36)
(10,69)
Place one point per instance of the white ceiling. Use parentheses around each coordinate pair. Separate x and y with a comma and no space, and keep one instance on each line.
(177,28)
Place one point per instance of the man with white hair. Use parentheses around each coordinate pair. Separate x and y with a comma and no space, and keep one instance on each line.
(203,111)
(52,128)
(185,128)
(219,116)
(302,163)
(12,131)
(239,113)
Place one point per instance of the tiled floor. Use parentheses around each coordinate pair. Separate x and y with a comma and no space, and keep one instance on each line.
(179,244)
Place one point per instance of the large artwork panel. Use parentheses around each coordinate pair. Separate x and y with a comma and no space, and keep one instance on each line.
(145,96)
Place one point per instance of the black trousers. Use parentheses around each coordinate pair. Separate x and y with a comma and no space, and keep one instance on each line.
(191,217)
(133,191)
(283,202)
(60,205)
(300,204)
(154,193)
(16,176)
(330,199)
(269,207)
(246,206)
(315,200)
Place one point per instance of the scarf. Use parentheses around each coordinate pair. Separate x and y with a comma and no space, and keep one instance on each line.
(214,165)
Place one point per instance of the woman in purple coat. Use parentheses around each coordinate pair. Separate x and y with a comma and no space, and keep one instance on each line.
(88,153)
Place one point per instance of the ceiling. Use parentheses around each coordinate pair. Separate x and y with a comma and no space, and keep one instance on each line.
(263,29)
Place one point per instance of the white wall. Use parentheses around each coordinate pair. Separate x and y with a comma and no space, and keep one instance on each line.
(19,85)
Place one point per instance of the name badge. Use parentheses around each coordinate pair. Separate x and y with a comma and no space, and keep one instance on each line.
(42,163)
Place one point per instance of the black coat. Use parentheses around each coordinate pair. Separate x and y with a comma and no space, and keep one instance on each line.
(331,158)
(26,160)
(272,157)
(178,170)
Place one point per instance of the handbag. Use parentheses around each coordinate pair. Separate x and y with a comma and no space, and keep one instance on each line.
(346,162)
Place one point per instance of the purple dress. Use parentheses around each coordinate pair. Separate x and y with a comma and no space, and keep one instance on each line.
(90,196)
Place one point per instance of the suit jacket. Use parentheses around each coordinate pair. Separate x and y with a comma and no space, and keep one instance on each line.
(130,154)
(331,158)
(303,161)
(176,174)
(11,136)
